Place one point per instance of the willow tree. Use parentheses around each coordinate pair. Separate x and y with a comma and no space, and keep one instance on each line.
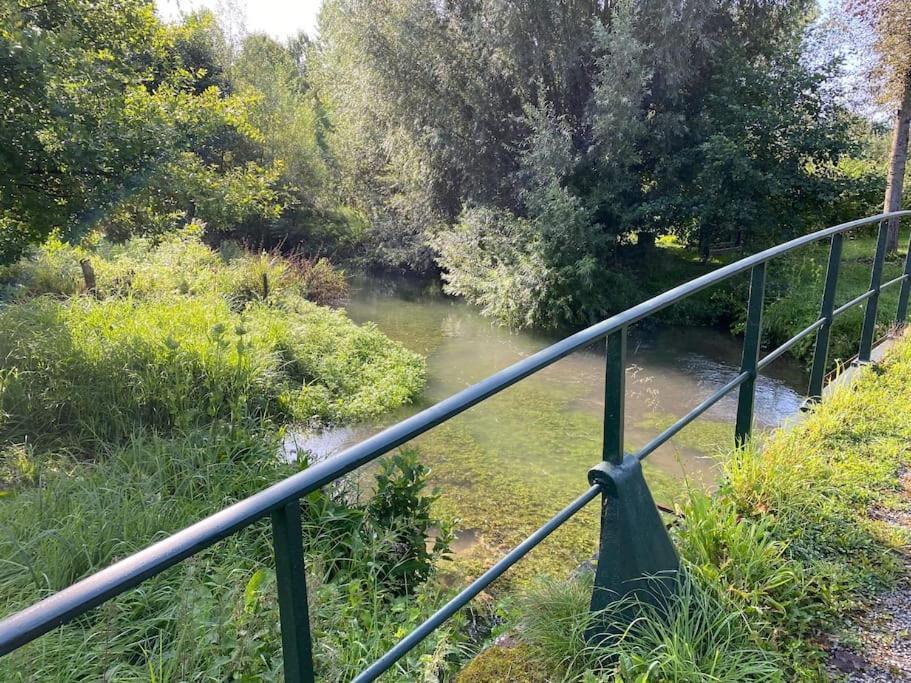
(891,21)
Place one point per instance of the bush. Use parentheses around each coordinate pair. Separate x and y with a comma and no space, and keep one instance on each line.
(100,369)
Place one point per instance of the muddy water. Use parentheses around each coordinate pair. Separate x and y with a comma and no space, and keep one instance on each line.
(507,463)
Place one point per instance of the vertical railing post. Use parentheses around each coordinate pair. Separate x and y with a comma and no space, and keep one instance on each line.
(876,275)
(751,340)
(902,312)
(614,397)
(292,593)
(633,544)
(821,352)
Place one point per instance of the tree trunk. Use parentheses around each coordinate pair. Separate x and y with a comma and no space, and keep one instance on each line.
(897,159)
(88,274)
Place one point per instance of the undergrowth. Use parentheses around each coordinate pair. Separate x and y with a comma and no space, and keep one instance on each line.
(135,407)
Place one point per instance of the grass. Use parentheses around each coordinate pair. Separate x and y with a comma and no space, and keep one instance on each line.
(132,411)
(148,356)
(783,549)
(793,291)
(215,616)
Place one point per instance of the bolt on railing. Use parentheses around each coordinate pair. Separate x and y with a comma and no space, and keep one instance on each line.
(634,543)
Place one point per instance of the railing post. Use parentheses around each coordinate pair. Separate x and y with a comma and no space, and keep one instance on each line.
(634,544)
(876,275)
(821,352)
(902,312)
(290,575)
(614,397)
(751,339)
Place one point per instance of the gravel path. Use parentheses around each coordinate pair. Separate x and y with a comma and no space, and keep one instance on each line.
(884,629)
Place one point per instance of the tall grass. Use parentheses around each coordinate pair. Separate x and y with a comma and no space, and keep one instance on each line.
(215,616)
(97,370)
(132,411)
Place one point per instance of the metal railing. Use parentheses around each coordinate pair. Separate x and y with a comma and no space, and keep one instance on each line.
(633,540)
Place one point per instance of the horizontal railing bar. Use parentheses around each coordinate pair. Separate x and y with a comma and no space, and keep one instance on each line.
(894,281)
(853,302)
(24,626)
(467,594)
(784,348)
(669,433)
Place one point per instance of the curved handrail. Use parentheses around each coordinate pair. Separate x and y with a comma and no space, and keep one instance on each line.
(30,623)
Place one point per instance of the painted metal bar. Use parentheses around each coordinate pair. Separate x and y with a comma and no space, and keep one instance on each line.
(614,397)
(57,609)
(827,314)
(893,281)
(669,433)
(876,276)
(751,340)
(772,356)
(902,312)
(402,648)
(291,576)
(852,303)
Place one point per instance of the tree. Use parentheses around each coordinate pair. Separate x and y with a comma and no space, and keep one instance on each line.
(102,106)
(891,22)
(525,142)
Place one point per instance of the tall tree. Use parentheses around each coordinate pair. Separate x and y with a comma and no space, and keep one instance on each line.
(891,21)
(111,118)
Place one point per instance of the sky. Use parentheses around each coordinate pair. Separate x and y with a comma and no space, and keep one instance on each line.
(280,19)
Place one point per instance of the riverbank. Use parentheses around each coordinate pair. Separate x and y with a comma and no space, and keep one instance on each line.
(161,395)
(797,539)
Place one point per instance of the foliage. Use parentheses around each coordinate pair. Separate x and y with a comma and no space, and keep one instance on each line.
(136,409)
(693,636)
(114,119)
(527,171)
(215,616)
(795,289)
(400,507)
(178,335)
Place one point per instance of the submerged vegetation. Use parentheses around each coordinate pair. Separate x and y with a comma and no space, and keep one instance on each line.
(793,539)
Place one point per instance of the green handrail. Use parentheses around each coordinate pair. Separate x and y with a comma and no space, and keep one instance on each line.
(634,542)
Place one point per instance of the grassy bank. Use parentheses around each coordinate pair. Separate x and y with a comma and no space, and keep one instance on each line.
(793,291)
(136,407)
(790,543)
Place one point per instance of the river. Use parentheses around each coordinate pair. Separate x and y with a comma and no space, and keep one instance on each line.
(506,463)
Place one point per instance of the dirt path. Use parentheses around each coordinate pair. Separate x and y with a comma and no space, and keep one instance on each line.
(881,651)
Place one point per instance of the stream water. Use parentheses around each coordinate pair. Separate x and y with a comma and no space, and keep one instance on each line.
(506,463)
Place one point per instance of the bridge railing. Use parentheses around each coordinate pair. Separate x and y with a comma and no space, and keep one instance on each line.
(633,542)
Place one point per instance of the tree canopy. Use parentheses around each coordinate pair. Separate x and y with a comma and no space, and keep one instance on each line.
(525,150)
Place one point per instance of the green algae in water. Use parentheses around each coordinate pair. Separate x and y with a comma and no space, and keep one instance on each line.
(507,465)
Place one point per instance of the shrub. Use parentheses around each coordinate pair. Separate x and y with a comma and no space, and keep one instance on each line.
(100,369)
(177,263)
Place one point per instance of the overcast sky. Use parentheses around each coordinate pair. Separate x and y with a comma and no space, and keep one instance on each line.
(279,18)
